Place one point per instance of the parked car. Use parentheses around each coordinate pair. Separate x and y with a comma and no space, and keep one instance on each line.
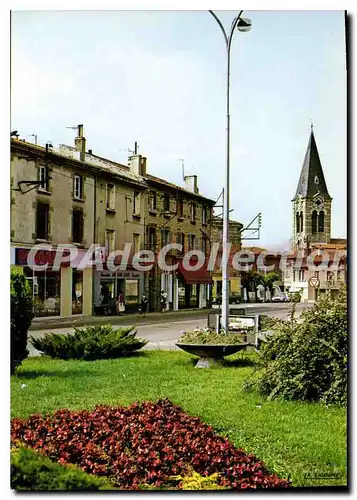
(281,297)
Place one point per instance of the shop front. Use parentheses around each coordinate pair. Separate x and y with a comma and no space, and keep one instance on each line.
(108,285)
(55,292)
(192,287)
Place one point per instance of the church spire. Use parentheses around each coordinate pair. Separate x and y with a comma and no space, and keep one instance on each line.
(312,178)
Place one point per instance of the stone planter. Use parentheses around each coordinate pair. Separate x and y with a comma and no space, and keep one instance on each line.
(211,355)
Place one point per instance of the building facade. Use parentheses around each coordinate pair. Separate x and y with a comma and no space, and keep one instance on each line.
(68,195)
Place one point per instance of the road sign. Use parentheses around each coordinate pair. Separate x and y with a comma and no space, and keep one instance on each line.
(314,281)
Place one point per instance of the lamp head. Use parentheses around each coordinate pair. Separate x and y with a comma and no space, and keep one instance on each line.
(244,24)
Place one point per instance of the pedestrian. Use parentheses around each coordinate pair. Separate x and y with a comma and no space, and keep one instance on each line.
(163,300)
(144,304)
(120,304)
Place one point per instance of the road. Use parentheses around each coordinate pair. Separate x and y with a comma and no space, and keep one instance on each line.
(164,333)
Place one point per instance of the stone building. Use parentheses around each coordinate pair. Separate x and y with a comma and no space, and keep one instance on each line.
(68,195)
(312,242)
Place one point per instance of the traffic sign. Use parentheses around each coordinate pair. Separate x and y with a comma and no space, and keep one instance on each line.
(314,281)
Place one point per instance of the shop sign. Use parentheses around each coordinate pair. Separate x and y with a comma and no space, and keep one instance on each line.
(42,257)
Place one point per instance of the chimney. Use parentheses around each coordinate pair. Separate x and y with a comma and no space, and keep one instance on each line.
(143,166)
(191,183)
(80,143)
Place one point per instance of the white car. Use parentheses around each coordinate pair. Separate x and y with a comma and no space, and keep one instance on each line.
(280,298)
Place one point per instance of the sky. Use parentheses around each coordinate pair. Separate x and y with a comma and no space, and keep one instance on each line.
(159,78)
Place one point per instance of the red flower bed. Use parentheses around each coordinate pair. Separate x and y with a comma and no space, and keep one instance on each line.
(142,444)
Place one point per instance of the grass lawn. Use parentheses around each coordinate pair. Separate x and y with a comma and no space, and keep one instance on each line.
(303,442)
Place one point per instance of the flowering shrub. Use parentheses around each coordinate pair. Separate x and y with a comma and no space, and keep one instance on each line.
(89,343)
(145,443)
(210,336)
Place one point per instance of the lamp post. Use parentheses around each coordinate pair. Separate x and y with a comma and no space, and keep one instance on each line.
(242,25)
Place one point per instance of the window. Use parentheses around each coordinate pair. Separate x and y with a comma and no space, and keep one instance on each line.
(136,241)
(317,274)
(180,239)
(179,209)
(314,222)
(43,178)
(301,222)
(330,276)
(297,222)
(204,245)
(321,222)
(153,200)
(193,212)
(191,241)
(165,237)
(340,275)
(301,275)
(166,206)
(110,196)
(78,187)
(136,203)
(204,215)
(77,226)
(151,238)
(42,221)
(109,241)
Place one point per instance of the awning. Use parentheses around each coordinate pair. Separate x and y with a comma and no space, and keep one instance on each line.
(200,276)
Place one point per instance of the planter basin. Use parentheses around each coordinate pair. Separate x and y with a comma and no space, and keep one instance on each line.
(212,351)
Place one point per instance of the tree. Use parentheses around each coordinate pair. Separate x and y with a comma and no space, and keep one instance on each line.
(269,280)
(21,316)
(252,279)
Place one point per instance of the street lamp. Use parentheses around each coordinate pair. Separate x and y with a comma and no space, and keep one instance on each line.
(242,25)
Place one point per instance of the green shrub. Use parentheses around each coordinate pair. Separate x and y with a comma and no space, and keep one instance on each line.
(90,343)
(308,360)
(31,470)
(21,316)
(194,481)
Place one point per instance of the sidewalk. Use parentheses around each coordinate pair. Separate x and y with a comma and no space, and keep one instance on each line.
(127,319)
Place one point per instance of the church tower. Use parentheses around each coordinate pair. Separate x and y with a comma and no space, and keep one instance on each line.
(312,202)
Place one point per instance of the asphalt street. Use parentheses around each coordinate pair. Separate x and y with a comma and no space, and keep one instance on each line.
(164,333)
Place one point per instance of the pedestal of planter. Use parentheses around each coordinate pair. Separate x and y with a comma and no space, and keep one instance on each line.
(209,362)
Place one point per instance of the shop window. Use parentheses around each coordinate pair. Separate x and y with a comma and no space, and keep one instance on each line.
(110,196)
(179,209)
(109,241)
(42,220)
(77,226)
(77,291)
(166,203)
(193,212)
(153,201)
(45,291)
(78,187)
(136,203)
(43,177)
(131,292)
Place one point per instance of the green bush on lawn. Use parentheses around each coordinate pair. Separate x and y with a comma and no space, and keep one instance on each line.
(307,361)
(21,316)
(31,470)
(90,343)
